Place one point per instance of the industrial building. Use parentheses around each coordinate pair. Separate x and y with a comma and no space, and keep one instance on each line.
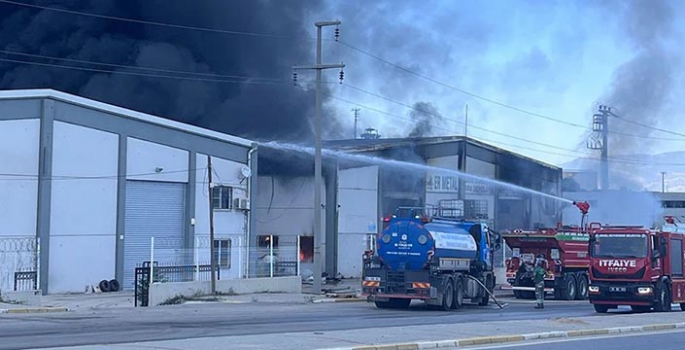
(358,194)
(91,184)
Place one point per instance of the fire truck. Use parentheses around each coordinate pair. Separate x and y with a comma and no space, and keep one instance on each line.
(564,252)
(636,266)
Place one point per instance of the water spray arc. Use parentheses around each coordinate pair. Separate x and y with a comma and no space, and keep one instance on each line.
(401,165)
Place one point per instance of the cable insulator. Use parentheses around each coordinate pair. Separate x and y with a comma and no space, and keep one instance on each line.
(337,33)
(342,75)
(295,78)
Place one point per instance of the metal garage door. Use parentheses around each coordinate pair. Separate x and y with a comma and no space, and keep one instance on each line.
(152,209)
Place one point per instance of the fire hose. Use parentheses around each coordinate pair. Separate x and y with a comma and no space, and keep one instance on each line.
(487,291)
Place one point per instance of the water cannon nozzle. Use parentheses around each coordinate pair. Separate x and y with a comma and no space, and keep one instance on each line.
(584,207)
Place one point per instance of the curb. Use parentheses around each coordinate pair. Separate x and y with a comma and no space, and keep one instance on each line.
(33,310)
(341,300)
(513,338)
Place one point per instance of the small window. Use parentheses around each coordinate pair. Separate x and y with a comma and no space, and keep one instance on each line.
(222,197)
(264,241)
(306,249)
(222,253)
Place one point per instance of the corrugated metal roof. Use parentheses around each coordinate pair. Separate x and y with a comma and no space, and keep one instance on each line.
(120,111)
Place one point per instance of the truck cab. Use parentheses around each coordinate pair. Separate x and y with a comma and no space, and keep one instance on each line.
(639,267)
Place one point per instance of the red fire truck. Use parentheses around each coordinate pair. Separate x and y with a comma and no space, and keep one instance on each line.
(636,266)
(564,252)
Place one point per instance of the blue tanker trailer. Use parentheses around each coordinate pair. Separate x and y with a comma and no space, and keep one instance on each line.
(440,260)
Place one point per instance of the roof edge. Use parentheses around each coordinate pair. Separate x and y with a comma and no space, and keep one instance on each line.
(121,111)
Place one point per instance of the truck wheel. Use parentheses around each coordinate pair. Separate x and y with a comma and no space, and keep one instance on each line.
(581,290)
(682,306)
(517,294)
(602,309)
(569,292)
(458,294)
(486,299)
(448,296)
(663,299)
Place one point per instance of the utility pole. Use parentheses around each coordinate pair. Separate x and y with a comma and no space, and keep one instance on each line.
(211,227)
(466,120)
(356,118)
(318,206)
(663,182)
(599,140)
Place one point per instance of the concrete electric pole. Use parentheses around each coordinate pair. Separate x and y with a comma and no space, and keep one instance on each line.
(599,140)
(318,206)
(356,118)
(663,182)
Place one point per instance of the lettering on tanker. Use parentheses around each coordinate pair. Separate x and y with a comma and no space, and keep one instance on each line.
(453,241)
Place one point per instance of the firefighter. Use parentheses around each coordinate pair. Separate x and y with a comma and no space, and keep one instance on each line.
(539,279)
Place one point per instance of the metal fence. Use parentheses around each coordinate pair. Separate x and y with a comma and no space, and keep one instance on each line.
(166,274)
(18,263)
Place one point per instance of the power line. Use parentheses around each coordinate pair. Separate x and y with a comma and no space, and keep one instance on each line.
(575,155)
(25,177)
(137,67)
(139,21)
(97,70)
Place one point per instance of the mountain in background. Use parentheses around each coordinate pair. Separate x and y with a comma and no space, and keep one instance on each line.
(638,171)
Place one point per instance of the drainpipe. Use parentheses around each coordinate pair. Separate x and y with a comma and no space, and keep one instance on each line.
(248,213)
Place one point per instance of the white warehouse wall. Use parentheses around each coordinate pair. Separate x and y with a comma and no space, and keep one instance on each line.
(143,157)
(83,210)
(358,216)
(284,207)
(227,223)
(19,143)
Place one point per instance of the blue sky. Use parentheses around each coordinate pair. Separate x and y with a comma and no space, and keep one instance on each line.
(555,58)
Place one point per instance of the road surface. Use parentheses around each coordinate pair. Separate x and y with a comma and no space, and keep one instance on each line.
(112,326)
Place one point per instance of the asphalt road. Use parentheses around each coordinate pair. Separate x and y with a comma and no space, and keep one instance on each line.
(214,319)
(665,341)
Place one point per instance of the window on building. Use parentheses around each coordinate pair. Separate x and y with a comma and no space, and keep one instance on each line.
(222,253)
(222,197)
(306,249)
(673,204)
(264,241)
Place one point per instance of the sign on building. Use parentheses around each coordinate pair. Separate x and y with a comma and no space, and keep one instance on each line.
(442,183)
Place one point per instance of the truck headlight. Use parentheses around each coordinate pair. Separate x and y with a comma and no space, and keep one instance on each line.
(593,289)
(644,290)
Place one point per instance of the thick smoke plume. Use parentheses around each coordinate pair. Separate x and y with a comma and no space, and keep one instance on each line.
(425,117)
(254,107)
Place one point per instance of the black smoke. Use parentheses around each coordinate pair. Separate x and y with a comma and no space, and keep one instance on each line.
(425,117)
(254,108)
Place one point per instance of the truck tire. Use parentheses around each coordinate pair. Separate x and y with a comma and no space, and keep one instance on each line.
(581,287)
(448,296)
(458,294)
(569,292)
(602,309)
(682,306)
(517,294)
(663,298)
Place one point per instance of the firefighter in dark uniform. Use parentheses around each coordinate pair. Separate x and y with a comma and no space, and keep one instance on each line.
(539,280)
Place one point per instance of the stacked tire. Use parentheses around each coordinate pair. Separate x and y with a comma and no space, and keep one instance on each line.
(109,286)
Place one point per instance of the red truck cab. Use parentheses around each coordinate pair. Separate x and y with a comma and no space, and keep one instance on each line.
(638,267)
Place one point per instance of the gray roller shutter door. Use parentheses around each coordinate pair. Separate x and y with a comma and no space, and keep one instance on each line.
(152,209)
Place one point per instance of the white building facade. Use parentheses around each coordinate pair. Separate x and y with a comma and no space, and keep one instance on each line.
(91,184)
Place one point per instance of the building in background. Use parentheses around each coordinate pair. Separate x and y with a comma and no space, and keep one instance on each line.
(623,207)
(358,194)
(86,185)
(579,180)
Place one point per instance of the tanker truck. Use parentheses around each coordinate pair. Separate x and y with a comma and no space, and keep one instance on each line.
(423,254)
